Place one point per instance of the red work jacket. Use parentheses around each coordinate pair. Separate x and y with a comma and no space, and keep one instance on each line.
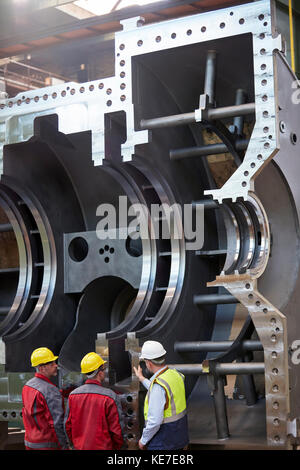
(93,418)
(43,415)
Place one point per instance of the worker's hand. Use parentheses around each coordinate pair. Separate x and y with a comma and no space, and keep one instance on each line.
(138,372)
(142,446)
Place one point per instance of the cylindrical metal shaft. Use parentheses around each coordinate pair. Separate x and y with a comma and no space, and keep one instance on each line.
(207,203)
(249,386)
(4,310)
(189,118)
(231,111)
(230,368)
(215,346)
(238,121)
(210,76)
(220,409)
(6,228)
(215,299)
(204,150)
(240,368)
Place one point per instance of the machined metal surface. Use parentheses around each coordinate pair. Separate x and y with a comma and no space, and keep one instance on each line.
(188,95)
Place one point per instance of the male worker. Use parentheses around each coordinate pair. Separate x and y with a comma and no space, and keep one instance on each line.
(43,408)
(93,415)
(165,414)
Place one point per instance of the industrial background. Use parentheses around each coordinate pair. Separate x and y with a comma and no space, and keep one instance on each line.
(227,312)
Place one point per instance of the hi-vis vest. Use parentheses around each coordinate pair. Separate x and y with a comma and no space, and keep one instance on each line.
(173,383)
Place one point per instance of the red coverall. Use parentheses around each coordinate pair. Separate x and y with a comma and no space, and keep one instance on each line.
(93,418)
(43,415)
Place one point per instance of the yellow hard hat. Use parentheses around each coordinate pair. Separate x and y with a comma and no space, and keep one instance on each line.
(42,356)
(91,362)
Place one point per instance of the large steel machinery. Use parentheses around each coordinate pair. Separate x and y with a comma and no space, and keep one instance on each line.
(162,203)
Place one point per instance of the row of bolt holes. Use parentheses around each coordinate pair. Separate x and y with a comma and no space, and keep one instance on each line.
(12,414)
(275,387)
(130,413)
(203,30)
(72,92)
(294,139)
(265,115)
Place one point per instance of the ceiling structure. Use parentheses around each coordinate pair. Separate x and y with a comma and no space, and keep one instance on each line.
(46,40)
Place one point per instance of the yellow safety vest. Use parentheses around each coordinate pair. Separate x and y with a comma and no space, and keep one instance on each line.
(172,382)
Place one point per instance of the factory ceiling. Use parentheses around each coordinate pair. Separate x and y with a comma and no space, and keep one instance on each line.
(26,25)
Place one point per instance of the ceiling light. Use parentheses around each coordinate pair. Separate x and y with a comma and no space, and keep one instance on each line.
(102,8)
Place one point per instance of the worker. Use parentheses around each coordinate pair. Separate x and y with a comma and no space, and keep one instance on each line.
(166,426)
(43,405)
(93,415)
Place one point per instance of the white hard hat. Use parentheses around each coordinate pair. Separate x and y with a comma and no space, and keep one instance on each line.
(152,350)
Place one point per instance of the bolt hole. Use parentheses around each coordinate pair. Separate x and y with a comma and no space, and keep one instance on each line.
(134,246)
(78,249)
